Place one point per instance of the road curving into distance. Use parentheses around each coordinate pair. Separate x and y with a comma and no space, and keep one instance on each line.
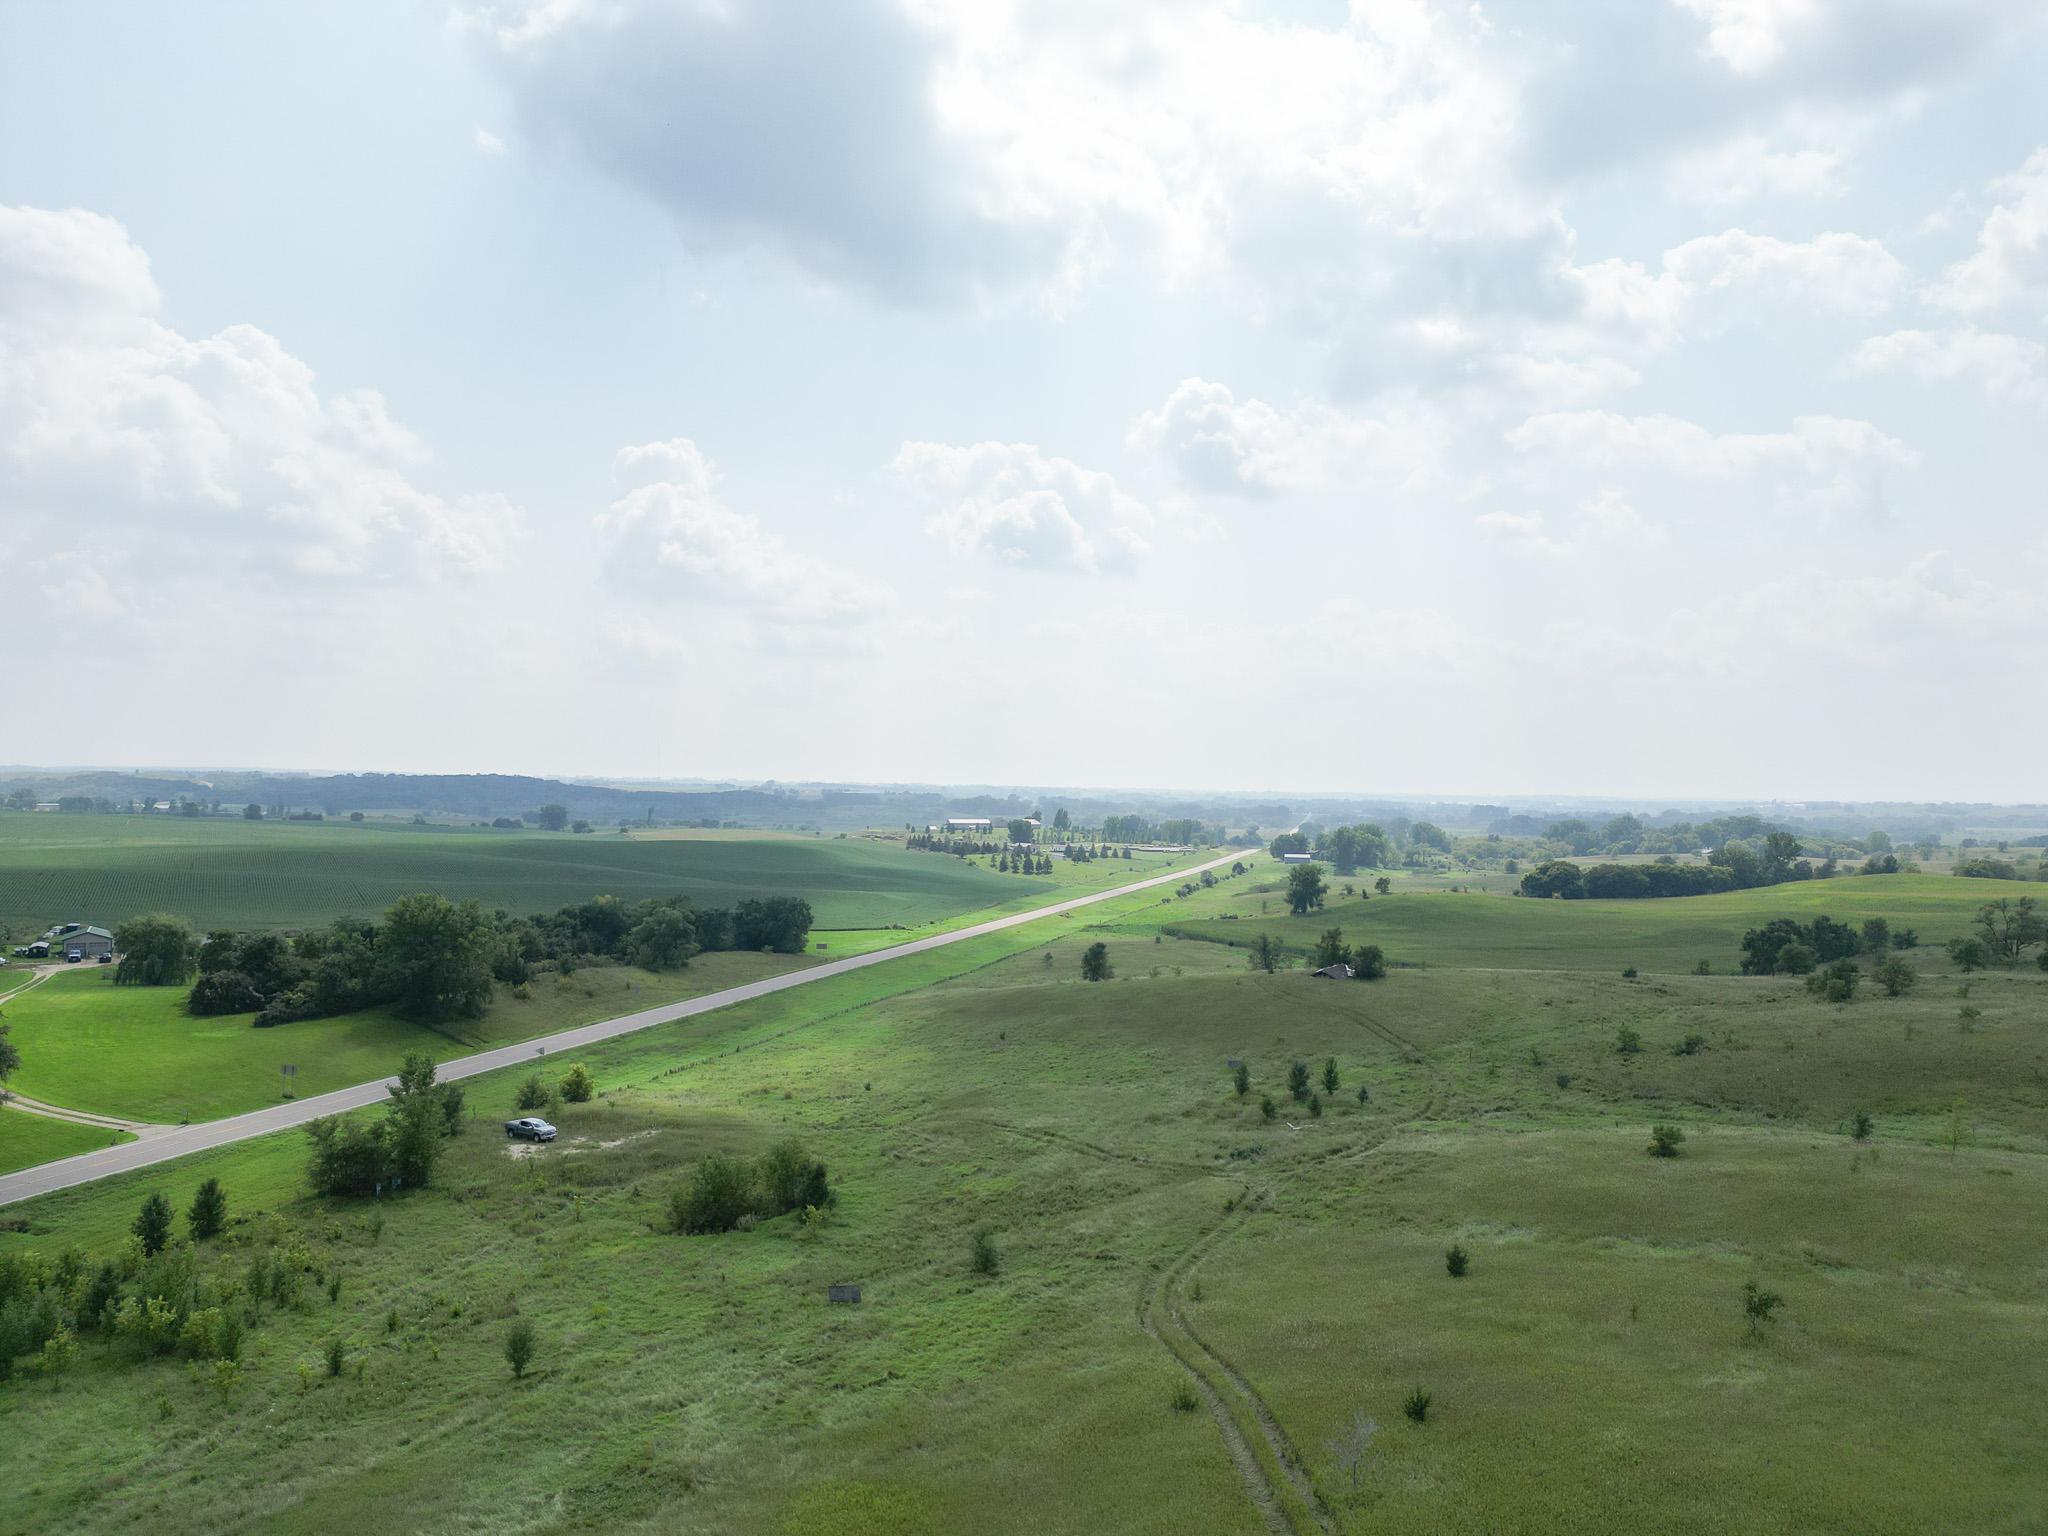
(182,1140)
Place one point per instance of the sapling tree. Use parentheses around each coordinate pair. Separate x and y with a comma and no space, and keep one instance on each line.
(1243,1078)
(1297,1080)
(1456,1262)
(1665,1140)
(209,1211)
(1351,1448)
(519,1346)
(1759,1305)
(153,1224)
(1330,1075)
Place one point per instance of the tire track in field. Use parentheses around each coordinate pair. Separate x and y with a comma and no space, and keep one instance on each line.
(1091,1149)
(1258,1486)
(1279,1446)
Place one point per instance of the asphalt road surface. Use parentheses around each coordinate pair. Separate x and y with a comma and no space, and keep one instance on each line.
(179,1141)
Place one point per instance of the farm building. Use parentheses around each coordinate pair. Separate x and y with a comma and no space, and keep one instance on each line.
(90,942)
(1296,858)
(968,823)
(1338,972)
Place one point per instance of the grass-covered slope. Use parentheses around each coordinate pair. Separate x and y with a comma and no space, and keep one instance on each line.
(1473,928)
(1593,1372)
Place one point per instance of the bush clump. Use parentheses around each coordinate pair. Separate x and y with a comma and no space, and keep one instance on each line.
(1416,1405)
(1665,1140)
(982,1256)
(1456,1262)
(725,1193)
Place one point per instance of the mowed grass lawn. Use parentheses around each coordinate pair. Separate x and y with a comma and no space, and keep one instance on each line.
(26,1139)
(256,875)
(1593,1373)
(1471,928)
(134,1052)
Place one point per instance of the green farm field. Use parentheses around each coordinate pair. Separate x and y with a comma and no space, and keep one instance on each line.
(251,875)
(1192,1299)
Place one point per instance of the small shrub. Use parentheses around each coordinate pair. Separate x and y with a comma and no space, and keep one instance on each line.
(1330,1075)
(1691,1045)
(1456,1262)
(1095,964)
(1315,1106)
(1416,1405)
(519,1346)
(982,1256)
(1297,1081)
(1861,1125)
(1364,1094)
(1759,1306)
(1704,968)
(334,1286)
(578,1086)
(336,1356)
(1665,1140)
(1896,978)
(1564,1079)
(1627,1041)
(1268,1109)
(1184,1399)
(532,1094)
(1628,973)
(1243,1079)
(718,1192)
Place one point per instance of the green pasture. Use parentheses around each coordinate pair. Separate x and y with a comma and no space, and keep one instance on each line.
(253,875)
(1592,1374)
(27,1139)
(1471,928)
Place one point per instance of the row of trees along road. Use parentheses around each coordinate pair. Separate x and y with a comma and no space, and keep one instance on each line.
(434,960)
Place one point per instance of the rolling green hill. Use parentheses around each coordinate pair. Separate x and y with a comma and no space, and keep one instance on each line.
(1470,928)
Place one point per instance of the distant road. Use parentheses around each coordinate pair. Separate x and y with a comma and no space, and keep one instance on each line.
(179,1141)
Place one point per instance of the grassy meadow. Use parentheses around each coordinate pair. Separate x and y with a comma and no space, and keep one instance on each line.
(221,873)
(1192,1300)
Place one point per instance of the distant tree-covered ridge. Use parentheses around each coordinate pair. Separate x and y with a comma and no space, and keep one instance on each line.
(435,960)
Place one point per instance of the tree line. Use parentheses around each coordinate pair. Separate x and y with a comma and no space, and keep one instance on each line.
(435,960)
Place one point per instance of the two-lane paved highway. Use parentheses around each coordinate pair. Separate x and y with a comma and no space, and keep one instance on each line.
(184,1139)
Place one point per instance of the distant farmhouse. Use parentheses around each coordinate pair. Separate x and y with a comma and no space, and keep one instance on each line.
(89,942)
(968,823)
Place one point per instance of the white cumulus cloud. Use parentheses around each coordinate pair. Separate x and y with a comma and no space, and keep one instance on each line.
(220,452)
(671,537)
(2005,367)
(1024,508)
(2010,264)
(1219,443)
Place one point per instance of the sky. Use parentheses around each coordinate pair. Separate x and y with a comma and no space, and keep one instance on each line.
(1637,397)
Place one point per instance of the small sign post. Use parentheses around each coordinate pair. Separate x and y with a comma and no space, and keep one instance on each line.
(286,1071)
